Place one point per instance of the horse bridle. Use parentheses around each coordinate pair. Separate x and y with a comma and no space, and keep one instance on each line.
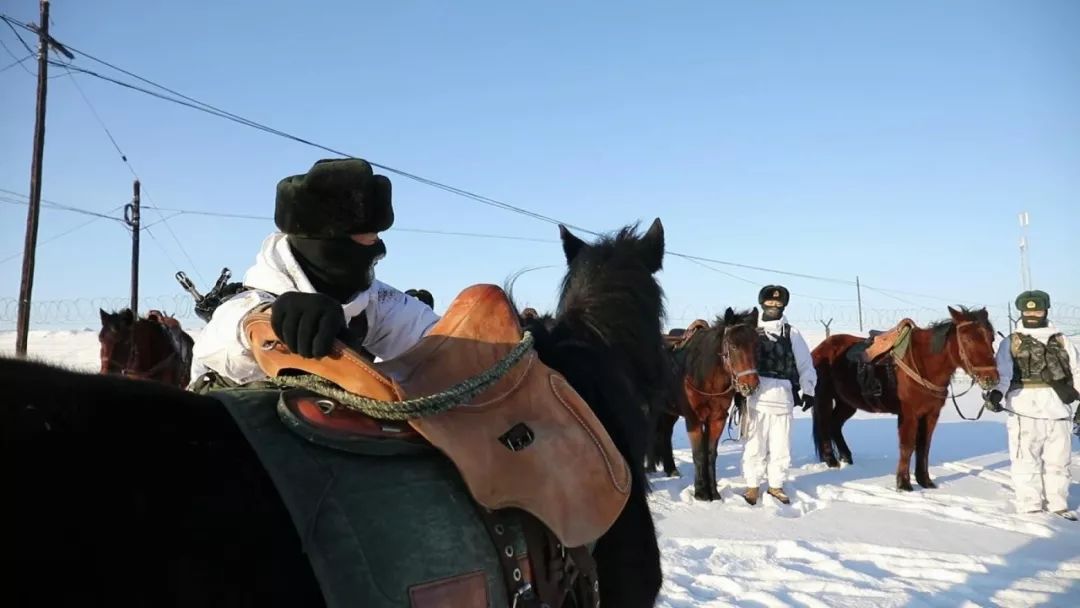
(725,355)
(965,361)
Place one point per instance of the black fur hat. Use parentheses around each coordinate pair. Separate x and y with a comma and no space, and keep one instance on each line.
(774,292)
(337,197)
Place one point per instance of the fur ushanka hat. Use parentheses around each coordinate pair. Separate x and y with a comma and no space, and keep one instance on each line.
(337,197)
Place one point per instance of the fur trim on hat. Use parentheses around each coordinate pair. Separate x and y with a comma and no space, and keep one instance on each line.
(338,197)
(774,292)
(1033,300)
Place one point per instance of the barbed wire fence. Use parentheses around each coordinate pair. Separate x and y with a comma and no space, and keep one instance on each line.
(80,313)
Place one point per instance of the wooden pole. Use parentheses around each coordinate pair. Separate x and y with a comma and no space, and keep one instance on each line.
(30,246)
(133,220)
(858,290)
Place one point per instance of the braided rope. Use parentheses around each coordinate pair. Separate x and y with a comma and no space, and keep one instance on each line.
(419,407)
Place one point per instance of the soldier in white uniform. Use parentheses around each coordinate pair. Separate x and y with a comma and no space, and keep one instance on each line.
(318,273)
(1039,369)
(784,367)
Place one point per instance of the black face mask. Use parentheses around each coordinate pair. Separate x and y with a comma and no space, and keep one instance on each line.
(1035,322)
(340,268)
(771,313)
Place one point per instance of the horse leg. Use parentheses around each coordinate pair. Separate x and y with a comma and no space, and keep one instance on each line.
(696,430)
(908,426)
(652,451)
(716,429)
(667,453)
(927,424)
(822,416)
(841,415)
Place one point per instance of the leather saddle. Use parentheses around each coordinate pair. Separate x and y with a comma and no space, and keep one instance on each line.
(881,342)
(529,441)
(675,341)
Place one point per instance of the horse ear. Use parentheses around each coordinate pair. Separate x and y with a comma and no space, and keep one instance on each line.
(571,245)
(106,318)
(983,315)
(729,316)
(654,246)
(754,316)
(955,314)
(127,316)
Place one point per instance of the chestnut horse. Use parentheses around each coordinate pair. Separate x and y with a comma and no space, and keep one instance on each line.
(154,347)
(714,363)
(915,390)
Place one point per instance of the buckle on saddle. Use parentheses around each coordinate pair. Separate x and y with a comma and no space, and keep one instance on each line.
(525,591)
(519,437)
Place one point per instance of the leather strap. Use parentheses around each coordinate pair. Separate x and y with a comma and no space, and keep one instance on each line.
(520,593)
(562,576)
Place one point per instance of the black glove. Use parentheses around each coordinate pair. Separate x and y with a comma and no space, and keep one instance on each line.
(307,322)
(1069,394)
(992,401)
(808,402)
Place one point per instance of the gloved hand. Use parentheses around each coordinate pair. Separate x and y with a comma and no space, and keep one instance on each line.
(307,322)
(992,401)
(808,402)
(1070,395)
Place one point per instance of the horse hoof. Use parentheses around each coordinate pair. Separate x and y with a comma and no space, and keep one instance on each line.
(928,484)
(904,486)
(716,496)
(833,463)
(702,496)
(847,459)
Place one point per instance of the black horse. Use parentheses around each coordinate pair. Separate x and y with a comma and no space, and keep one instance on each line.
(128,492)
(605,338)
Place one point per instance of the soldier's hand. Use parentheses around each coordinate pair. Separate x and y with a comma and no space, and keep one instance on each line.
(1070,395)
(307,322)
(992,401)
(808,402)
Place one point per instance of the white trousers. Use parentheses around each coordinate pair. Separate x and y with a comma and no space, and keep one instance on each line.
(767,448)
(1040,451)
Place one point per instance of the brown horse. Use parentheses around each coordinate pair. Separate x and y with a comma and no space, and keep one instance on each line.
(154,347)
(708,368)
(915,385)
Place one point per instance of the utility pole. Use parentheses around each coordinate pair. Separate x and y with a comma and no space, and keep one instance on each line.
(30,245)
(132,218)
(858,290)
(1025,266)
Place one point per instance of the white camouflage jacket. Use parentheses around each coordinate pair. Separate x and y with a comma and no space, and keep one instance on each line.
(396,321)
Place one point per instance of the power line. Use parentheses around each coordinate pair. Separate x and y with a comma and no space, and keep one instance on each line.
(213,110)
(60,235)
(18,61)
(57,206)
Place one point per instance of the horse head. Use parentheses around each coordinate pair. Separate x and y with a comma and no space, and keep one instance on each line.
(975,345)
(115,339)
(738,349)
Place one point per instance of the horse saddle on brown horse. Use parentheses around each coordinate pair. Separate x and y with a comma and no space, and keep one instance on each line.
(882,342)
(675,342)
(528,441)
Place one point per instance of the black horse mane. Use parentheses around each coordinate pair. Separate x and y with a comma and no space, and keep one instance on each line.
(605,338)
(942,328)
(704,346)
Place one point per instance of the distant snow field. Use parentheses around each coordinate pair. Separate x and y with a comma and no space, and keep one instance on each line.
(848,539)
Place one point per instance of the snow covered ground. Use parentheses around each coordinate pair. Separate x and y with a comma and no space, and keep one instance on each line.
(848,538)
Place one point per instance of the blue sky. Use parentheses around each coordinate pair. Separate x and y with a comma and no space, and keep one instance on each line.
(896,141)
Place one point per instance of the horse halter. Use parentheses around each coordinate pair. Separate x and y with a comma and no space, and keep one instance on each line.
(965,361)
(725,355)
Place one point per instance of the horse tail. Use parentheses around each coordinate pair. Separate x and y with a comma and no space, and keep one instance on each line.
(824,404)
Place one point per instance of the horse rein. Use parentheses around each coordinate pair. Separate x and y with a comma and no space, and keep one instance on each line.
(965,363)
